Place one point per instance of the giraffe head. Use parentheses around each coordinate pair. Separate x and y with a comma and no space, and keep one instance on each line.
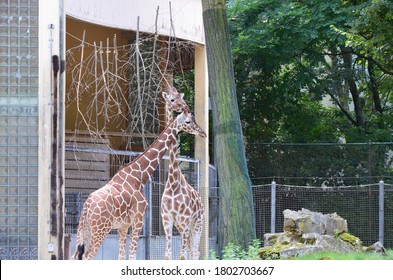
(174,100)
(186,122)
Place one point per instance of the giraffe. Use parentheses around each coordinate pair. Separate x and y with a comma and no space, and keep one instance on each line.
(181,205)
(120,204)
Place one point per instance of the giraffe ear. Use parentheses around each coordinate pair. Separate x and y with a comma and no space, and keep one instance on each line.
(181,95)
(164,94)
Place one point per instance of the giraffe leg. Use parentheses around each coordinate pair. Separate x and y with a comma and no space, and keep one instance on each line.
(195,240)
(135,232)
(185,236)
(168,228)
(95,244)
(137,225)
(122,236)
(195,237)
(98,233)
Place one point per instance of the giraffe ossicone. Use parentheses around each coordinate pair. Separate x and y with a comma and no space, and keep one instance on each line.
(181,204)
(120,204)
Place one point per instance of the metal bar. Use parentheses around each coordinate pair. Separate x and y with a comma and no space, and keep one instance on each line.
(321,144)
(381,212)
(148,220)
(273,208)
(120,152)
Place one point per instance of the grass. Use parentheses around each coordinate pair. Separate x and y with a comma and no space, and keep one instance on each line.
(235,252)
(346,256)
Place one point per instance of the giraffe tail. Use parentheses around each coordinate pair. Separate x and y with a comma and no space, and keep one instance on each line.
(81,251)
(80,238)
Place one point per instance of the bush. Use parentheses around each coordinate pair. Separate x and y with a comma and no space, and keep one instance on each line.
(236,252)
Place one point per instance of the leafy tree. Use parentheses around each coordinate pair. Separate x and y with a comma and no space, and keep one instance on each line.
(291,55)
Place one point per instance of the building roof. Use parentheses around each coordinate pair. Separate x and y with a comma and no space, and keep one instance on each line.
(187,22)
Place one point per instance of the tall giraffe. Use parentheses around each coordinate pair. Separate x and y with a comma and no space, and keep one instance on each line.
(181,205)
(121,203)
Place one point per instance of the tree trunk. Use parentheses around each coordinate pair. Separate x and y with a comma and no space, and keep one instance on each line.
(349,76)
(236,213)
(373,85)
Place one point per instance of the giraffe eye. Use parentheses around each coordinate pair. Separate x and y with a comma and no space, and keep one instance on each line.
(172,100)
(188,122)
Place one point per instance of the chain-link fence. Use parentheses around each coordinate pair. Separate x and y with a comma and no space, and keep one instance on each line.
(328,178)
(88,169)
(368,209)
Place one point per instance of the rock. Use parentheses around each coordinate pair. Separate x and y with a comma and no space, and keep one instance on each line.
(288,244)
(352,240)
(297,222)
(318,221)
(377,247)
(282,238)
(334,224)
(286,251)
(307,232)
(306,221)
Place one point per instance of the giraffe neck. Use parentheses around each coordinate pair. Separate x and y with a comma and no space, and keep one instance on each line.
(144,165)
(173,149)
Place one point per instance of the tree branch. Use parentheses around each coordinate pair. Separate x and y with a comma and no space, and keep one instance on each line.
(345,112)
(378,64)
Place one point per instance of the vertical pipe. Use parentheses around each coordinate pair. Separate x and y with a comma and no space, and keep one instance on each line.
(273,208)
(381,212)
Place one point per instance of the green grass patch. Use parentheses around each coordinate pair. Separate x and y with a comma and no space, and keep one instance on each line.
(346,256)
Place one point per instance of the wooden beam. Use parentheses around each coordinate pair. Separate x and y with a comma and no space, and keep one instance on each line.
(202,145)
(49,24)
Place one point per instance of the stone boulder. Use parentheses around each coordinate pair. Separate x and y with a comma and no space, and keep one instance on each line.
(306,221)
(308,232)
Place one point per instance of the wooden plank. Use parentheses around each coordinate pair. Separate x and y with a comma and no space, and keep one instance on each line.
(89,175)
(87,165)
(87,142)
(84,156)
(84,184)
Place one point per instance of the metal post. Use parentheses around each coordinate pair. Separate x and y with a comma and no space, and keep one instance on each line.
(148,218)
(273,208)
(381,212)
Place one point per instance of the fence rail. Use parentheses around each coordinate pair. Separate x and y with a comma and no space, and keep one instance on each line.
(368,209)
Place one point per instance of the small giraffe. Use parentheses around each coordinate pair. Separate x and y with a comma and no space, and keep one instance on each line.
(181,204)
(121,203)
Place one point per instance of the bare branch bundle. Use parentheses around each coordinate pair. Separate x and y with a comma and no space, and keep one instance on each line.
(115,89)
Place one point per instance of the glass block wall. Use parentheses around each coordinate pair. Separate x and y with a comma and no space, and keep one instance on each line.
(18,129)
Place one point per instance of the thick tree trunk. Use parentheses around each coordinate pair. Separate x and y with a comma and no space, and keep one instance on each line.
(236,215)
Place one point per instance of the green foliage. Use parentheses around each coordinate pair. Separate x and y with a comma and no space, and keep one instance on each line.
(289,56)
(236,252)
